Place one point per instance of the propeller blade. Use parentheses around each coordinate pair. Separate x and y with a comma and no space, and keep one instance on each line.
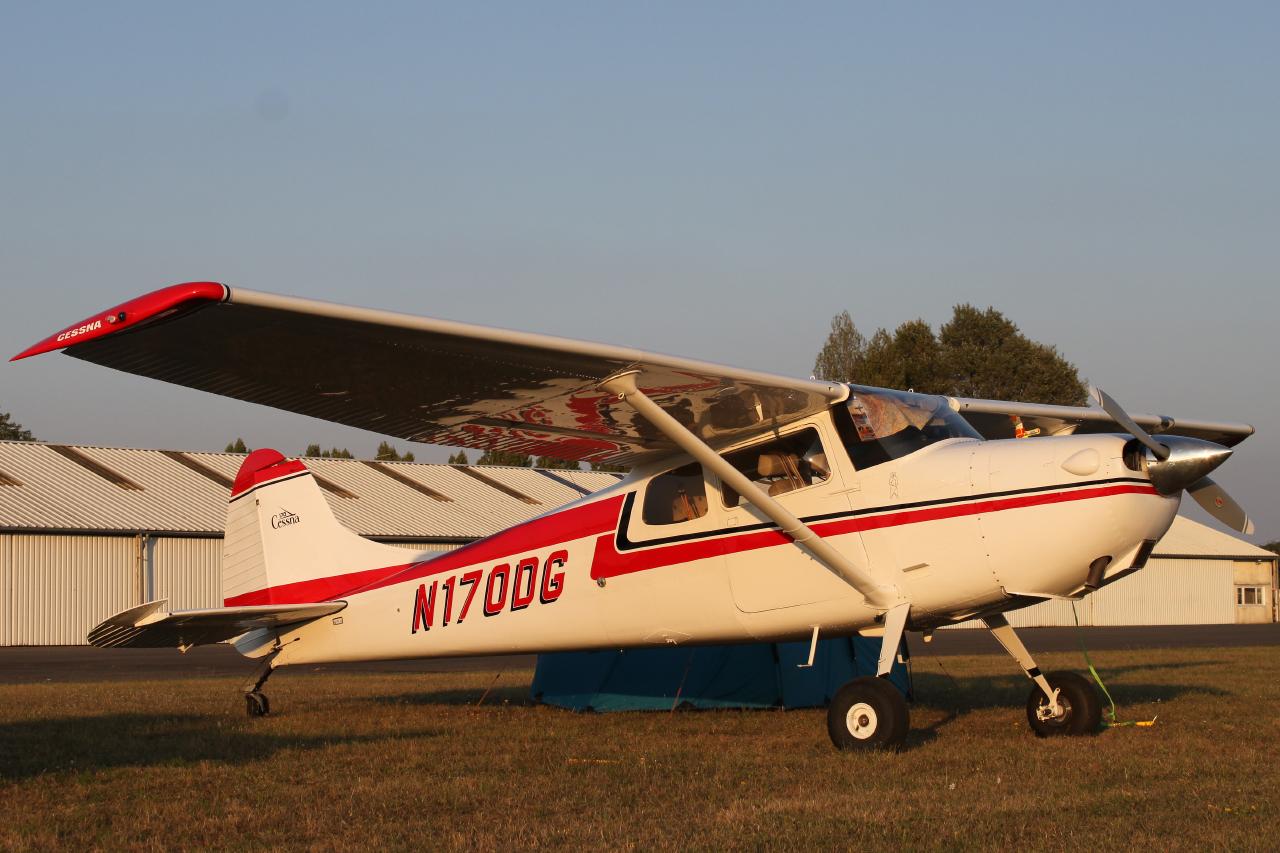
(1219,504)
(1120,416)
(1206,492)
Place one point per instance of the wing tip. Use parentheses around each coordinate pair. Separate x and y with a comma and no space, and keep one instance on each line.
(128,314)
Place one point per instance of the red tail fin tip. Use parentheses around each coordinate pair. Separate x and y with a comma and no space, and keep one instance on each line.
(261,466)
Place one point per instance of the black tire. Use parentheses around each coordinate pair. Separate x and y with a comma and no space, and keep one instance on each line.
(256,704)
(1081,705)
(868,713)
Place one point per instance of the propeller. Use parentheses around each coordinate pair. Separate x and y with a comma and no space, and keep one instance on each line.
(1120,416)
(1220,505)
(1183,463)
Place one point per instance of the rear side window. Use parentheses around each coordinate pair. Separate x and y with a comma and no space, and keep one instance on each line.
(676,496)
(783,465)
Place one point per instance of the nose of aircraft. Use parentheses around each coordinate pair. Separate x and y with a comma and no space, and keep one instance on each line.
(1190,459)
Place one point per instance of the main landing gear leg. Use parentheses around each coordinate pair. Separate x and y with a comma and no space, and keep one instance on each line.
(255,701)
(870,713)
(1061,703)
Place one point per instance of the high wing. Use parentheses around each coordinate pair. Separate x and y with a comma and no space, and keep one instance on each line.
(151,626)
(997,419)
(429,380)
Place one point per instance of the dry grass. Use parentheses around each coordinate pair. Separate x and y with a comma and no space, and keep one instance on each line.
(404,761)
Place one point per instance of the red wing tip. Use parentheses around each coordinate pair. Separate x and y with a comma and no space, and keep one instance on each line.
(128,314)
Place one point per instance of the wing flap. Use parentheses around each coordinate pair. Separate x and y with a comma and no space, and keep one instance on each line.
(150,625)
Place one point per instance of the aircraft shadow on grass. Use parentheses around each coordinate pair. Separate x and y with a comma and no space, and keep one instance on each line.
(76,744)
(933,688)
(959,696)
(937,690)
(498,695)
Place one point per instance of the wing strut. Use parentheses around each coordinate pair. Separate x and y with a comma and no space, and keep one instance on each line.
(877,595)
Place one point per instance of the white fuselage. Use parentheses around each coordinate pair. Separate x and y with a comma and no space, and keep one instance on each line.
(962,527)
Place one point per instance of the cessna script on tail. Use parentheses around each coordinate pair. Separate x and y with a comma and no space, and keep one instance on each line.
(758,507)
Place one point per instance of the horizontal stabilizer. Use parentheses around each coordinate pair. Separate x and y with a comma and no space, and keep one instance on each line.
(150,625)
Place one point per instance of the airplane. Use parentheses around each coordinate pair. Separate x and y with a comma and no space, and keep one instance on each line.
(758,507)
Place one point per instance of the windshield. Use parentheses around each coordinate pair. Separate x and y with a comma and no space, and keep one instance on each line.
(883,425)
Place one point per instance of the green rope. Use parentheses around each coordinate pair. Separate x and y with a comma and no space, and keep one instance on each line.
(1111,711)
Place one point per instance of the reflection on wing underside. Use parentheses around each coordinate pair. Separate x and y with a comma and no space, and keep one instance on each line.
(443,382)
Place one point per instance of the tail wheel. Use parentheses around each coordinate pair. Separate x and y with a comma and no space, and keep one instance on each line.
(256,704)
(868,713)
(1081,709)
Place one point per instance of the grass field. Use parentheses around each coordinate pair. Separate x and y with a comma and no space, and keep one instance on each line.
(411,761)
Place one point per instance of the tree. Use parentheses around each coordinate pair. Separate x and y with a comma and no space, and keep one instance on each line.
(877,364)
(841,357)
(920,357)
(237,446)
(609,467)
(459,458)
(387,453)
(562,464)
(975,354)
(10,431)
(314,451)
(1273,547)
(985,355)
(501,457)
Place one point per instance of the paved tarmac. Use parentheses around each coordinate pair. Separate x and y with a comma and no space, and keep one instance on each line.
(28,664)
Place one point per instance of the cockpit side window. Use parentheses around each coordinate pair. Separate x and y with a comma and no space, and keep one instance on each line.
(676,496)
(877,425)
(780,466)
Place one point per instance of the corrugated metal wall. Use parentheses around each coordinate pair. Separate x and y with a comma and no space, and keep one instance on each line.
(188,572)
(1171,592)
(57,587)
(1166,592)
(54,588)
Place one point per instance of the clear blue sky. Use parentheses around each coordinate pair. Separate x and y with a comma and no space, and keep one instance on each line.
(715,180)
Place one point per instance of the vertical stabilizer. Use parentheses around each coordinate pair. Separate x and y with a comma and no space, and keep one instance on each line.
(283,544)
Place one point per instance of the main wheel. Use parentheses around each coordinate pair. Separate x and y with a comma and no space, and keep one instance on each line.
(256,704)
(1081,708)
(867,713)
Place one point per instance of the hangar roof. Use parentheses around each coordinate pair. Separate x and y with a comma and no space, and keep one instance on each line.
(78,488)
(1187,538)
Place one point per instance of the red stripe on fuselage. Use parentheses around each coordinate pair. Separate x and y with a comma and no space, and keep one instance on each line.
(609,562)
(600,518)
(565,526)
(316,589)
